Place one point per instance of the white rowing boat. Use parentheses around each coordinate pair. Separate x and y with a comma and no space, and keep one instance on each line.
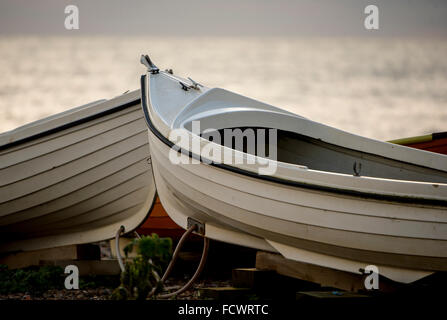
(335,199)
(75,177)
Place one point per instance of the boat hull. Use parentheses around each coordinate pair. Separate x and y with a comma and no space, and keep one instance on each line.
(334,199)
(295,221)
(79,183)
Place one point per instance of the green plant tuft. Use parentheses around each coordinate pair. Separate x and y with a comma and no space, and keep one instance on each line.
(142,274)
(34,280)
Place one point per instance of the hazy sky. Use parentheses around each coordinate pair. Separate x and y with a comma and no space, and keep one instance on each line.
(225,17)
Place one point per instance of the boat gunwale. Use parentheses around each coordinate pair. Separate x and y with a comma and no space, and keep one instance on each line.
(71,124)
(51,139)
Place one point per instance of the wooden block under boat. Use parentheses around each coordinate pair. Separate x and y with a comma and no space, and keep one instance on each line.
(251,277)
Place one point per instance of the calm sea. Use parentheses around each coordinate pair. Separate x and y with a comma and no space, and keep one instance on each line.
(380,88)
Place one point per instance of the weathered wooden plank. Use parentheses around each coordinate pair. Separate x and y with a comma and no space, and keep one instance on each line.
(32,258)
(88,267)
(308,272)
(252,278)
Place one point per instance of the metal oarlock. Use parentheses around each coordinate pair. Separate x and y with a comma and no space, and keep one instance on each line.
(151,67)
(195,84)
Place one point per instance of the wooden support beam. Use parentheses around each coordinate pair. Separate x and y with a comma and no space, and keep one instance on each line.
(88,267)
(252,278)
(313,273)
(32,258)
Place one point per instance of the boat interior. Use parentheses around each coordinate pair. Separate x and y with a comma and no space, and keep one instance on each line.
(297,149)
(307,143)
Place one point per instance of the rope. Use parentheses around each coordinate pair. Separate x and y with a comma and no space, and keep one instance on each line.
(177,251)
(206,244)
(117,247)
